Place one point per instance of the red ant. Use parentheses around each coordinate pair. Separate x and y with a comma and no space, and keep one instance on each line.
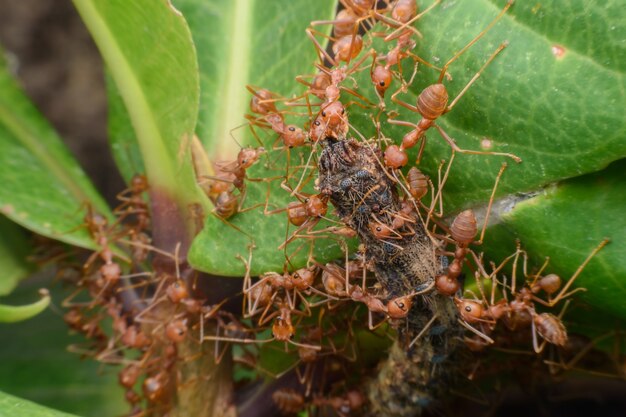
(283,329)
(133,202)
(259,295)
(463,231)
(262,103)
(433,103)
(231,174)
(382,75)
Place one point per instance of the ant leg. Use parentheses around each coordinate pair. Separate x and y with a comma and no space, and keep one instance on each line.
(395,99)
(476,331)
(473,41)
(538,348)
(421,333)
(475,77)
(493,193)
(359,96)
(442,182)
(419,59)
(563,293)
(321,51)
(400,31)
(455,147)
(396,24)
(237,228)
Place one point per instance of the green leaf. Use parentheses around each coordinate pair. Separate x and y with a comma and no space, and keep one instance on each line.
(150,55)
(261,44)
(566,222)
(43,187)
(250,42)
(122,137)
(11,406)
(14,248)
(12,314)
(37,366)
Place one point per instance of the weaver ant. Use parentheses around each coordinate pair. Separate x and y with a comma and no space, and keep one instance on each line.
(433,103)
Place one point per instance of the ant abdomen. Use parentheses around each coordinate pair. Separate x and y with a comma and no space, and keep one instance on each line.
(296,213)
(417,182)
(433,101)
(464,228)
(344,24)
(288,400)
(348,47)
(551,328)
(550,284)
(404,10)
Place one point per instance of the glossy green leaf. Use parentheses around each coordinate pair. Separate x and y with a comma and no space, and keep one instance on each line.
(37,366)
(566,223)
(14,248)
(12,314)
(150,55)
(11,406)
(261,44)
(43,187)
(122,137)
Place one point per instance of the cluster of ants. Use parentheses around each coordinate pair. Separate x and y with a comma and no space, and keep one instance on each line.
(401,273)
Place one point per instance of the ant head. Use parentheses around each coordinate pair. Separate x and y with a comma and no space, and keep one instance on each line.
(379,229)
(471,311)
(138,184)
(316,205)
(177,291)
(381,78)
(333,114)
(304,277)
(316,132)
(398,308)
(395,157)
(282,330)
(176,330)
(248,156)
(294,136)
